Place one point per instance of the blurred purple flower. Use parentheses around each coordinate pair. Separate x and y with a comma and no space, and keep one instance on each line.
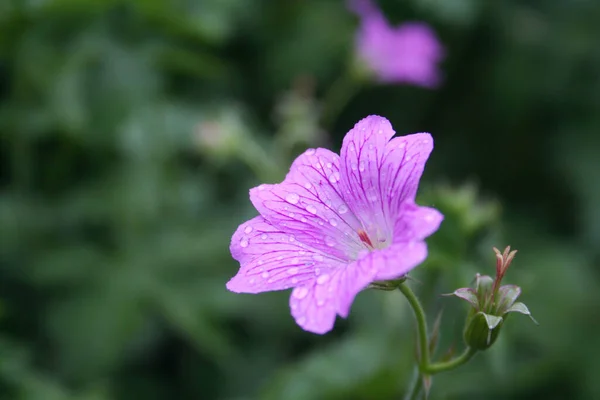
(408,53)
(338,223)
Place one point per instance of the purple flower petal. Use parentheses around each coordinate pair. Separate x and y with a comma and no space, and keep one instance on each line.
(396,260)
(314,307)
(378,175)
(416,222)
(271,259)
(308,204)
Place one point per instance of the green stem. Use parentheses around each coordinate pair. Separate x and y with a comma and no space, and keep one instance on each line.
(421,325)
(425,367)
(448,365)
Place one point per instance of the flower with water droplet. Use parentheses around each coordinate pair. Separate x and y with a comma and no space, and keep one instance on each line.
(370,234)
(408,53)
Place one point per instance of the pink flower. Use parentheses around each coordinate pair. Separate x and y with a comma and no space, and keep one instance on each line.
(408,53)
(338,223)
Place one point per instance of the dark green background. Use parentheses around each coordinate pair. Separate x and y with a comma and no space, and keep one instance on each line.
(115,220)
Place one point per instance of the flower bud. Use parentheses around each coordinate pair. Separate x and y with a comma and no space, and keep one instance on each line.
(482,330)
(490,304)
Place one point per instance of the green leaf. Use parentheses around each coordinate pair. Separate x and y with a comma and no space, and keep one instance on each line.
(521,308)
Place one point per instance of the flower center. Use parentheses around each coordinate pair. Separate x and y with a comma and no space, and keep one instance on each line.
(380,243)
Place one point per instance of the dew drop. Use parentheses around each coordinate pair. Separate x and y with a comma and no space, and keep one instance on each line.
(294,281)
(244,242)
(401,145)
(329,241)
(265,275)
(361,166)
(311,209)
(408,158)
(310,152)
(303,219)
(343,209)
(251,281)
(308,185)
(320,302)
(300,292)
(372,194)
(263,236)
(329,165)
(292,270)
(380,132)
(296,260)
(317,271)
(323,279)
(371,146)
(279,258)
(332,178)
(292,238)
(248,229)
(318,257)
(292,215)
(292,198)
(301,320)
(354,166)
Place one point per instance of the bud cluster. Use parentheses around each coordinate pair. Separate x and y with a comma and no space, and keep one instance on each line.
(490,303)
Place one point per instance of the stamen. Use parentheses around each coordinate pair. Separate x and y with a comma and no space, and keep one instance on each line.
(365,238)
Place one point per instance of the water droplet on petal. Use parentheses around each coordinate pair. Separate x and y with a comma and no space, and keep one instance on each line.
(361,166)
(371,146)
(310,152)
(311,209)
(318,257)
(265,275)
(248,229)
(292,270)
(329,165)
(292,215)
(292,238)
(244,242)
(372,194)
(343,209)
(251,281)
(263,236)
(408,158)
(301,321)
(354,166)
(401,145)
(294,281)
(292,198)
(317,271)
(296,260)
(300,292)
(303,219)
(308,185)
(332,178)
(329,241)
(333,222)
(323,279)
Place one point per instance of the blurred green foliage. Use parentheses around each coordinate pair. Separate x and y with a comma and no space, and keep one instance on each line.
(116,213)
